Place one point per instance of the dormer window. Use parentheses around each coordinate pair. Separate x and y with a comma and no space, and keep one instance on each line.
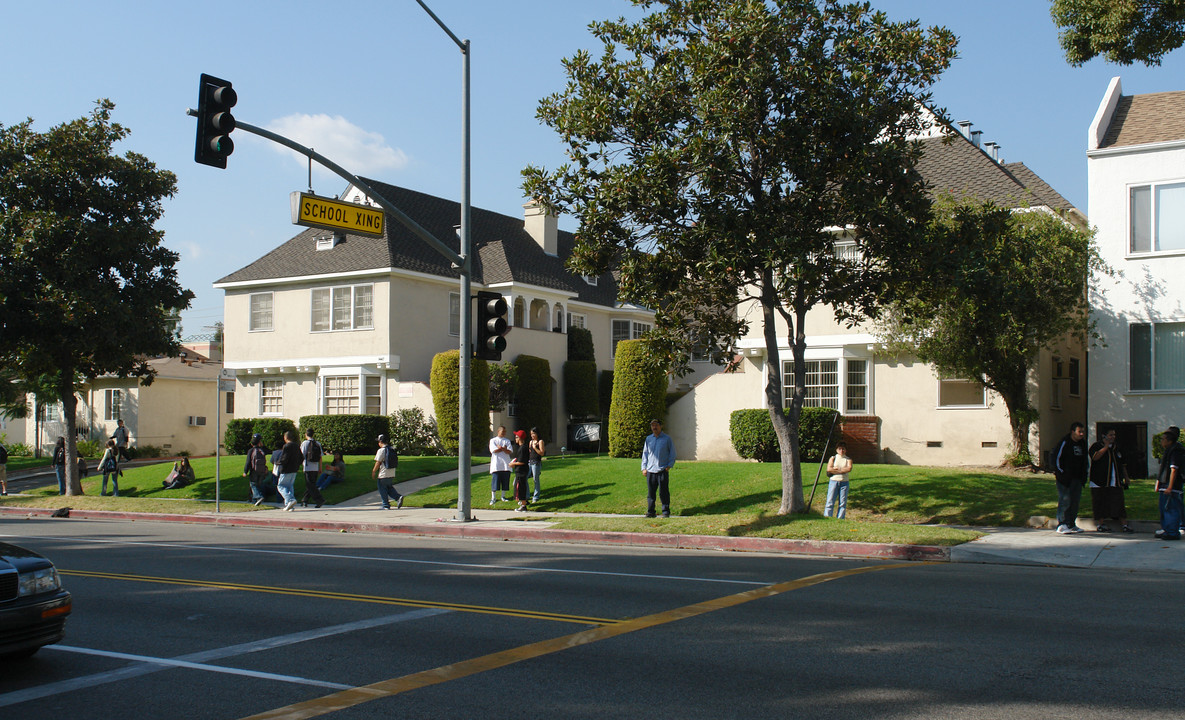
(590,279)
(329,242)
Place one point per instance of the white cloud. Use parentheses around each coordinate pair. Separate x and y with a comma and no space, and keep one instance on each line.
(357,150)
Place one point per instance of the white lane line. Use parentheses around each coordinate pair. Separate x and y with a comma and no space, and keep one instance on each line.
(167,663)
(147,667)
(333,556)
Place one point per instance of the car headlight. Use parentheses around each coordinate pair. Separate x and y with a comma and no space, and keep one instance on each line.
(39,581)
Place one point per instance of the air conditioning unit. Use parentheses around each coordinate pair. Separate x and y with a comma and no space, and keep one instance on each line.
(197,420)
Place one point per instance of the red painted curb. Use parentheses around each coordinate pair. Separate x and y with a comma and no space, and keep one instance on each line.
(875,551)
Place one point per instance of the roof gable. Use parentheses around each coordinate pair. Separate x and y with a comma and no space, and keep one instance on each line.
(1144,119)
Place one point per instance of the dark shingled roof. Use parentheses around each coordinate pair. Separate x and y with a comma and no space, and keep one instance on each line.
(1042,192)
(955,165)
(1142,119)
(503,250)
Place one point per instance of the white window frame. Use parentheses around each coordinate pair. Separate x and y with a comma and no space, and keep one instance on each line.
(820,398)
(367,386)
(343,312)
(577,320)
(271,392)
(343,403)
(454,314)
(1153,189)
(113,404)
(964,406)
(255,317)
(1153,385)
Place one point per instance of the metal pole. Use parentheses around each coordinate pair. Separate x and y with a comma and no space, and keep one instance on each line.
(464,434)
(217,445)
(821,461)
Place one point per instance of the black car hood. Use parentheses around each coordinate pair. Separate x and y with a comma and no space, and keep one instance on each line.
(19,558)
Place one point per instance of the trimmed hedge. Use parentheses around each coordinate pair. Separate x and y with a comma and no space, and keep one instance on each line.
(580,389)
(639,395)
(753,435)
(237,437)
(347,434)
(534,395)
(444,382)
(580,344)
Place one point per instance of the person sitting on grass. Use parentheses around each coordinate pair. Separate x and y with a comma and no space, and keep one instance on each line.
(181,475)
(335,472)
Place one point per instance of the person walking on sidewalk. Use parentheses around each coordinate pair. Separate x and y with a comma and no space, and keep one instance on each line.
(312,452)
(521,464)
(1070,463)
(838,468)
(290,463)
(538,450)
(1169,484)
(658,457)
(501,452)
(386,461)
(255,469)
(120,436)
(1108,480)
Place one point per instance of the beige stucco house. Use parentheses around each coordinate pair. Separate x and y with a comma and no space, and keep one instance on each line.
(898,409)
(327,324)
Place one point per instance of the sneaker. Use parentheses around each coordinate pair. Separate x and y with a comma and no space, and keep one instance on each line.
(1170,537)
(1158,534)
(521,508)
(666,513)
(534,498)
(258,502)
(386,507)
(1075,529)
(1128,529)
(492,500)
(290,506)
(1102,528)
(1061,529)
(398,502)
(650,514)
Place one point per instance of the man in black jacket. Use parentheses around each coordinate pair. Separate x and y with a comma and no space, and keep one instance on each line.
(1070,464)
(1169,483)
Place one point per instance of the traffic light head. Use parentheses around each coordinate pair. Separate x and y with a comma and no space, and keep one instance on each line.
(491,325)
(215,99)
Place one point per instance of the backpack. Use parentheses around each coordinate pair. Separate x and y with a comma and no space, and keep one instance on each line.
(3,455)
(258,460)
(391,459)
(312,452)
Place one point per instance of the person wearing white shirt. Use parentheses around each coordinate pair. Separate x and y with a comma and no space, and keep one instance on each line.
(838,468)
(501,452)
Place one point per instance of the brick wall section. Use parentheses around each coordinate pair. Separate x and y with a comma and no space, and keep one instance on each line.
(861,433)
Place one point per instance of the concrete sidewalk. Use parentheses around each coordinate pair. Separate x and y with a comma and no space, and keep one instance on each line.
(1000,545)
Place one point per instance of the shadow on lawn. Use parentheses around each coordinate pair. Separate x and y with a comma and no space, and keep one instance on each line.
(965,500)
(729,505)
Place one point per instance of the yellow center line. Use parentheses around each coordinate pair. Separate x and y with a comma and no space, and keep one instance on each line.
(395,686)
(330,595)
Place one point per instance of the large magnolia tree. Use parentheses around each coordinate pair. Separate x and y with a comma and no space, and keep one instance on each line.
(715,147)
(1121,31)
(86,286)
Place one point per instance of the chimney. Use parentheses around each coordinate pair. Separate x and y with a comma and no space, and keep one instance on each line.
(993,150)
(976,137)
(542,226)
(965,128)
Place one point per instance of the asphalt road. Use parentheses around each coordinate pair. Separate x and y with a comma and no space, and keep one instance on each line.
(175,620)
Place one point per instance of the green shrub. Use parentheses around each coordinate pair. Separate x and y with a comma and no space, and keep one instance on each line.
(605,392)
(444,382)
(639,395)
(145,451)
(534,395)
(753,436)
(237,437)
(580,344)
(503,385)
(87,448)
(413,433)
(580,389)
(19,450)
(347,434)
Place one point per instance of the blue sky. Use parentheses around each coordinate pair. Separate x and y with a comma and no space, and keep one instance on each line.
(376,87)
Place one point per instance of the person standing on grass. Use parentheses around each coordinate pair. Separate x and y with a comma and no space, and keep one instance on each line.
(521,464)
(838,468)
(501,452)
(658,457)
(120,436)
(1108,480)
(59,464)
(1169,484)
(109,466)
(1070,462)
(538,450)
(290,463)
(386,463)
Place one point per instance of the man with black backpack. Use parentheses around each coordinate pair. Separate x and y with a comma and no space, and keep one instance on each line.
(386,460)
(312,452)
(255,469)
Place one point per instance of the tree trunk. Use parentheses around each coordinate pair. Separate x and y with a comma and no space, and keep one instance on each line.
(69,408)
(1020,415)
(786,427)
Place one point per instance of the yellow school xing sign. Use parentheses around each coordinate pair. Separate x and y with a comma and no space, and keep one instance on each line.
(312,211)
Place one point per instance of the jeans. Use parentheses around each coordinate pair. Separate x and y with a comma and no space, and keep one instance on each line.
(535,469)
(837,491)
(257,480)
(114,482)
(387,491)
(287,487)
(1170,513)
(1068,497)
(60,471)
(499,482)
(659,482)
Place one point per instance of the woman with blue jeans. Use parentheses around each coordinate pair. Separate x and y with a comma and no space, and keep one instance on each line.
(838,468)
(535,462)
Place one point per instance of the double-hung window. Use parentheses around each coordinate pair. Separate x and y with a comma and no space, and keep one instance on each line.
(628,330)
(271,397)
(822,383)
(1157,213)
(346,307)
(113,400)
(261,312)
(1156,359)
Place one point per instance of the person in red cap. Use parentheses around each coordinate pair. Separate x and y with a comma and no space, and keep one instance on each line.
(521,465)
